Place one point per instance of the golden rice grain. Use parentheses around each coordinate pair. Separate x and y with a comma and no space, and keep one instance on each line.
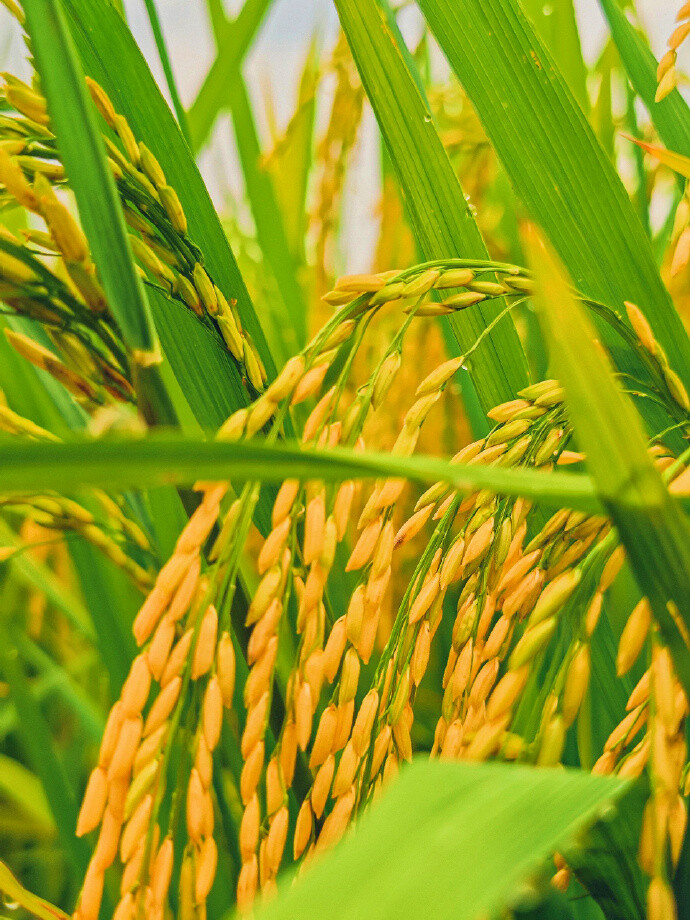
(205,650)
(225,668)
(661,904)
(212,713)
(342,506)
(488,739)
(264,594)
(336,822)
(259,680)
(247,884)
(304,828)
(272,549)
(91,894)
(249,828)
(303,715)
(195,806)
(349,678)
(484,681)
(150,613)
(126,908)
(347,770)
(251,771)
(108,840)
(161,873)
(532,642)
(141,785)
(135,828)
(345,715)
(324,738)
(626,729)
(161,645)
(424,599)
(381,746)
(277,836)
(162,706)
(93,804)
(593,613)
(309,384)
(365,545)
(334,648)
(206,863)
(412,526)
(634,764)
(135,690)
(184,593)
(576,683)
(633,637)
(322,785)
(125,749)
(255,725)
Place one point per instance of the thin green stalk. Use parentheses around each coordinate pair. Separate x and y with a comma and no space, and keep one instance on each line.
(161,47)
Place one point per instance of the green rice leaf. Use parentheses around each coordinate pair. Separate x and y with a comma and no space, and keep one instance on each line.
(82,150)
(233,42)
(556,25)
(449,840)
(23,787)
(557,168)
(173,459)
(110,56)
(16,893)
(650,522)
(671,116)
(441,217)
(36,740)
(268,219)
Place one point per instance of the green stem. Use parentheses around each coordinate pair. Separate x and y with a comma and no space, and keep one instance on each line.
(180,113)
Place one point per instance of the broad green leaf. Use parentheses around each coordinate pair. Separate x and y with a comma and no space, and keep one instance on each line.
(27,390)
(170,459)
(289,163)
(82,151)
(23,787)
(13,892)
(112,603)
(556,25)
(606,859)
(268,219)
(54,680)
(233,42)
(650,522)
(162,49)
(36,573)
(603,120)
(449,840)
(36,740)
(110,56)
(671,116)
(441,217)
(554,162)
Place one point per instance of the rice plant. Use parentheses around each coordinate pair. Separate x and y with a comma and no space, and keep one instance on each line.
(332,594)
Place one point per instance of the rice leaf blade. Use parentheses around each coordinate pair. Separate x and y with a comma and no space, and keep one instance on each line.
(82,150)
(671,116)
(171,458)
(435,812)
(650,522)
(441,218)
(556,166)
